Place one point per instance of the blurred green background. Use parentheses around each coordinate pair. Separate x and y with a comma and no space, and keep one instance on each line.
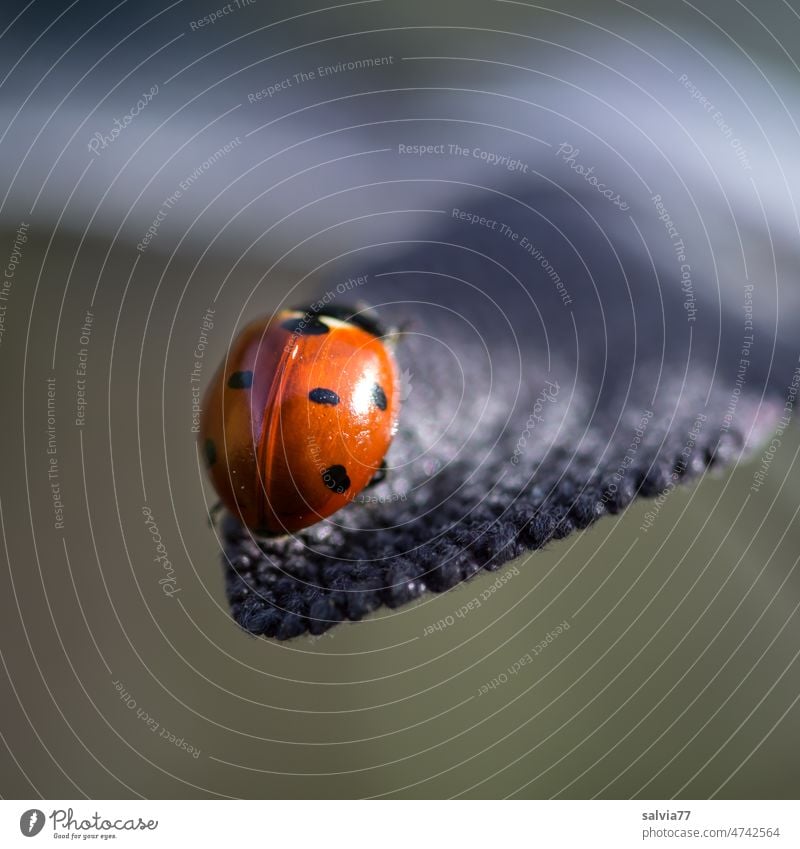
(677,674)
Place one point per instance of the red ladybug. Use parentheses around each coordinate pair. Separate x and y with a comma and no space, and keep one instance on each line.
(299,417)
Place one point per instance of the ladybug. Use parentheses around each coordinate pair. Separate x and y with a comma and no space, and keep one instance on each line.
(298,418)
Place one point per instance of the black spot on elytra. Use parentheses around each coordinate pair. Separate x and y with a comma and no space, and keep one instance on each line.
(336,479)
(240,380)
(210,451)
(378,397)
(308,325)
(323,396)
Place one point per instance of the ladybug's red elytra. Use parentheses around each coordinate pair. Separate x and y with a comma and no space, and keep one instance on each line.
(299,417)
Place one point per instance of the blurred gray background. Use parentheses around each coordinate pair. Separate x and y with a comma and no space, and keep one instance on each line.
(678,675)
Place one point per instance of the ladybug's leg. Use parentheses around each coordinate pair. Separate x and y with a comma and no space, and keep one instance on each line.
(379,475)
(213,514)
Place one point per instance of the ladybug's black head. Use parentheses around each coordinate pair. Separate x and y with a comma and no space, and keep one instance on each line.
(364,318)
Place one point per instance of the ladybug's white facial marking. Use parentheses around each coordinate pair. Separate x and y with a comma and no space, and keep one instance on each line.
(334,323)
(310,324)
